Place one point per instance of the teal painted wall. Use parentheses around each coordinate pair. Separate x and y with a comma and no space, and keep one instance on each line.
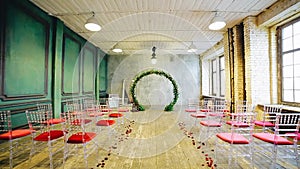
(42,61)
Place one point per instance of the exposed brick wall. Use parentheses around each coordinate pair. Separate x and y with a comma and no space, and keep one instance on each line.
(227,67)
(257,65)
(273,66)
(239,79)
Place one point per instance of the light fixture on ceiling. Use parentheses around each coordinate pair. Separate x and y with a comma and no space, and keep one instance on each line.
(217,22)
(192,48)
(92,24)
(153,58)
(117,50)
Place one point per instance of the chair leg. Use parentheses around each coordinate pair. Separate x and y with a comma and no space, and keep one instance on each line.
(10,154)
(85,155)
(50,155)
(274,161)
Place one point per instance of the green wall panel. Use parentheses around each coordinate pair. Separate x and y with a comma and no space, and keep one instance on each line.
(103,74)
(26,55)
(88,75)
(71,66)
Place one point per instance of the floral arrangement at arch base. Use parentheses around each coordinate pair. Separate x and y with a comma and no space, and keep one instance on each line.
(140,107)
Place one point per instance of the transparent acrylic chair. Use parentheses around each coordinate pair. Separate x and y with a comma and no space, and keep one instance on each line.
(44,136)
(275,145)
(269,117)
(237,142)
(213,122)
(80,141)
(15,137)
(240,108)
(48,107)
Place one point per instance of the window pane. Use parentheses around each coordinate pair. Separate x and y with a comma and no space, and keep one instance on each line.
(297,57)
(287,44)
(287,71)
(287,59)
(214,65)
(222,63)
(297,83)
(287,83)
(287,32)
(288,95)
(214,83)
(297,41)
(297,96)
(297,70)
(296,27)
(222,83)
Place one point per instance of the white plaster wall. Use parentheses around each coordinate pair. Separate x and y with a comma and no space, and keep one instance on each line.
(154,89)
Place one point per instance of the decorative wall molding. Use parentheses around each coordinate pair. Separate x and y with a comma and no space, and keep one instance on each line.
(63,90)
(3,92)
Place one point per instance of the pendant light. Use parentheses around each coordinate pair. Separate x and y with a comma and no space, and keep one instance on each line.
(153,58)
(217,22)
(92,24)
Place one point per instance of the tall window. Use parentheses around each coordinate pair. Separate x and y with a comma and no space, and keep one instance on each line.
(222,75)
(289,39)
(214,76)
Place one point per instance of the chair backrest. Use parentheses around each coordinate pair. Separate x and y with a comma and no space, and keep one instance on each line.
(74,107)
(38,120)
(216,112)
(243,107)
(44,106)
(89,103)
(287,123)
(113,102)
(270,112)
(205,103)
(243,123)
(5,121)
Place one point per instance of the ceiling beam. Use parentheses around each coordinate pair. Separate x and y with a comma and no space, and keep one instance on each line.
(276,12)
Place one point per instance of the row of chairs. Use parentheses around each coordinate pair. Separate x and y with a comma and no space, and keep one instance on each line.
(241,127)
(73,133)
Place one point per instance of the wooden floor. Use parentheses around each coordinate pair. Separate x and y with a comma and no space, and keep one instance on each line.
(152,139)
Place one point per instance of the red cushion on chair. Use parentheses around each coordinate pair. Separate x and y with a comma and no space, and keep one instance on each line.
(105,122)
(264,123)
(233,138)
(116,115)
(54,134)
(79,138)
(211,123)
(237,124)
(123,110)
(97,114)
(56,121)
(198,115)
(270,138)
(15,134)
(77,122)
(190,110)
(226,111)
(105,110)
(204,110)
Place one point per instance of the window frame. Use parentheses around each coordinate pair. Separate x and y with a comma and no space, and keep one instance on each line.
(220,75)
(280,54)
(213,92)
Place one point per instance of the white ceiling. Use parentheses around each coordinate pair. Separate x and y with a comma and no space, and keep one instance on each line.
(135,25)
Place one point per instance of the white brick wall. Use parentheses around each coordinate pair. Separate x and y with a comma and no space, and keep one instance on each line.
(257,65)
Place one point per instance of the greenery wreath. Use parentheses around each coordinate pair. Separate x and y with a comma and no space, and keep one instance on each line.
(170,106)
